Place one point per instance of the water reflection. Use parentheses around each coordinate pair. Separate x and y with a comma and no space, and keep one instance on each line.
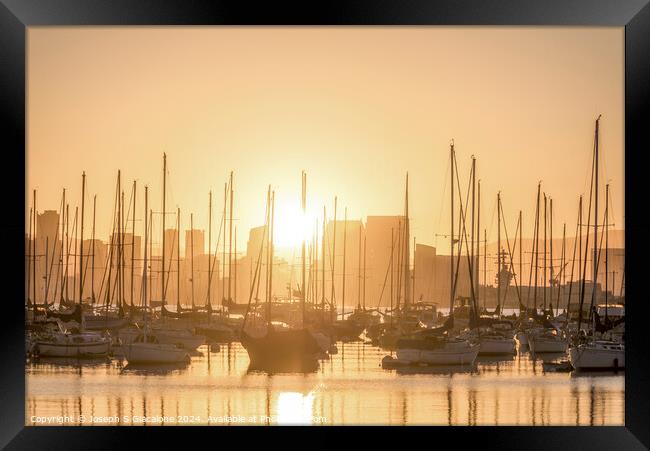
(219,388)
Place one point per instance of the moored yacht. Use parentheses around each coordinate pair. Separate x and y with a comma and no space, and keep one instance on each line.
(599,354)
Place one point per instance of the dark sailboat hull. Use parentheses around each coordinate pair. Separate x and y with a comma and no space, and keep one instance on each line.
(286,350)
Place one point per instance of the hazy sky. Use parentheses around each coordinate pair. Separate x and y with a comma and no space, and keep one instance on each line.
(354,107)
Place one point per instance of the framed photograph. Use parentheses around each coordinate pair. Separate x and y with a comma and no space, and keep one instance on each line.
(363,214)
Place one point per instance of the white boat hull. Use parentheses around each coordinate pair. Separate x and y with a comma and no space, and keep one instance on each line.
(51,349)
(497,346)
(154,353)
(538,346)
(447,355)
(583,357)
(173,337)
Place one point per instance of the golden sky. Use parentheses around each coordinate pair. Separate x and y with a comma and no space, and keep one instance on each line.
(354,107)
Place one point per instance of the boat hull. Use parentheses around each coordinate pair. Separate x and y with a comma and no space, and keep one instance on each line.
(586,358)
(500,346)
(286,349)
(539,346)
(95,349)
(173,337)
(155,353)
(447,355)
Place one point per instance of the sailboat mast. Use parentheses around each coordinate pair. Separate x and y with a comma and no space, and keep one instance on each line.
(606,244)
(333,299)
(164,213)
(270,296)
(30,255)
(545,263)
(133,243)
(150,250)
(364,272)
(122,262)
(413,273)
(407,253)
(304,263)
(477,259)
(345,234)
(67,244)
(230,243)
(63,243)
(178,259)
(595,264)
(81,244)
(191,255)
(34,255)
(359,271)
(451,240)
(74,261)
(223,259)
(47,245)
(144,268)
(471,249)
(484,266)
(235,269)
(550,250)
(392,292)
(498,250)
(580,248)
(561,283)
(92,261)
(210,249)
(322,306)
(536,251)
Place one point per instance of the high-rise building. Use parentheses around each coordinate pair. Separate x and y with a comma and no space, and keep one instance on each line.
(378,273)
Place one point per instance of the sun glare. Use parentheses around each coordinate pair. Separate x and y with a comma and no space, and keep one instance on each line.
(291,226)
(295,408)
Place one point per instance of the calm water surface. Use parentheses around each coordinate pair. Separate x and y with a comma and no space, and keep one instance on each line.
(350,388)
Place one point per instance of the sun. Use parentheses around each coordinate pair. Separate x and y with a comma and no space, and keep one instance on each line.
(291,227)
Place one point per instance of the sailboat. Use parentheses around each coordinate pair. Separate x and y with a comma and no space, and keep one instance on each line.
(436,346)
(146,347)
(499,339)
(216,330)
(273,348)
(594,353)
(170,330)
(74,342)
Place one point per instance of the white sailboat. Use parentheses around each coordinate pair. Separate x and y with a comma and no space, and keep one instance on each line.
(600,354)
(63,343)
(147,347)
(435,346)
(547,341)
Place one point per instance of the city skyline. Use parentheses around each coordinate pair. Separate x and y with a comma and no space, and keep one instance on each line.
(310,113)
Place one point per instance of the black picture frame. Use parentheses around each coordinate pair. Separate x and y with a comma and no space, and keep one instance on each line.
(16,15)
